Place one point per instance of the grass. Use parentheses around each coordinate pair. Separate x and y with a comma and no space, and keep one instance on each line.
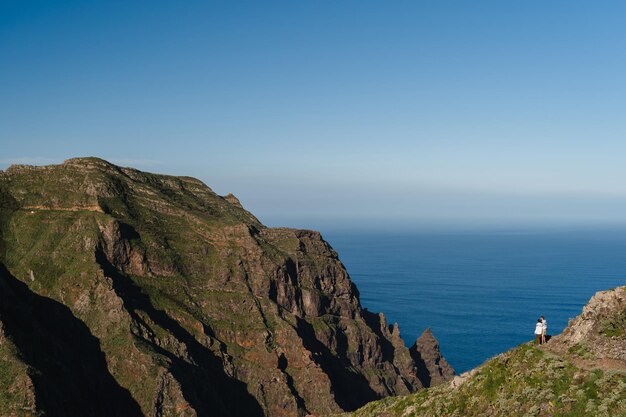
(523,382)
(581,350)
(614,326)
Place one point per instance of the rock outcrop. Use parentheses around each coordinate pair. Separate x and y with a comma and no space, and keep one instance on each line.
(128,293)
(600,331)
(433,367)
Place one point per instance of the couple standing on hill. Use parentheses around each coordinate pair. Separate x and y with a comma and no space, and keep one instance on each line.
(540,330)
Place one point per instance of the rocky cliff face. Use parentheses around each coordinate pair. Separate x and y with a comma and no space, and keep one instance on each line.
(127,293)
(599,332)
(434,368)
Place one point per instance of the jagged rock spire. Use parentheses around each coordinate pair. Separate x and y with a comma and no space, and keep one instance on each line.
(432,367)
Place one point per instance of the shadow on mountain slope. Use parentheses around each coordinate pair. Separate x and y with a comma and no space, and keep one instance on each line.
(351,389)
(207,388)
(69,371)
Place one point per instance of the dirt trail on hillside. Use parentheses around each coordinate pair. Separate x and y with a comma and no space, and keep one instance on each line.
(588,364)
(72,208)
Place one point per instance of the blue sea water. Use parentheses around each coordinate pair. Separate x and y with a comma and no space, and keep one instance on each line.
(480,292)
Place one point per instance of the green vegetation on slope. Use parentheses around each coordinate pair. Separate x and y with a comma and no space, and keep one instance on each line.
(525,381)
(15,396)
(614,326)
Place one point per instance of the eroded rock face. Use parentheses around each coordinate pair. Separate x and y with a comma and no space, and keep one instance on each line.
(599,332)
(433,369)
(185,302)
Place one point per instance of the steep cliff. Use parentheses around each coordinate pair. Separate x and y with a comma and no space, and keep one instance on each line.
(127,293)
(581,372)
(599,333)
(434,368)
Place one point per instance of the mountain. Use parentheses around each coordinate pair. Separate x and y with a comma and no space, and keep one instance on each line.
(581,372)
(125,293)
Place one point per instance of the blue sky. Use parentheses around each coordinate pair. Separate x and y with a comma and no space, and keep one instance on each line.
(330,114)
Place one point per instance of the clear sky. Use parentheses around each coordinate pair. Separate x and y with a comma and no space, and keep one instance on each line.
(334,113)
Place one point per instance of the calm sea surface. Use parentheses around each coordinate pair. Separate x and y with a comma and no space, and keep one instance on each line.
(480,293)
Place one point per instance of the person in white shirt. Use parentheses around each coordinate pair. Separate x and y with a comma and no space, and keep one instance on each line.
(538,331)
(544,322)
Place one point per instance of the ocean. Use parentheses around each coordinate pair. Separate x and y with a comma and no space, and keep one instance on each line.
(480,292)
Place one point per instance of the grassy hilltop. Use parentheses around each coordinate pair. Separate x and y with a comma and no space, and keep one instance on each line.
(581,373)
